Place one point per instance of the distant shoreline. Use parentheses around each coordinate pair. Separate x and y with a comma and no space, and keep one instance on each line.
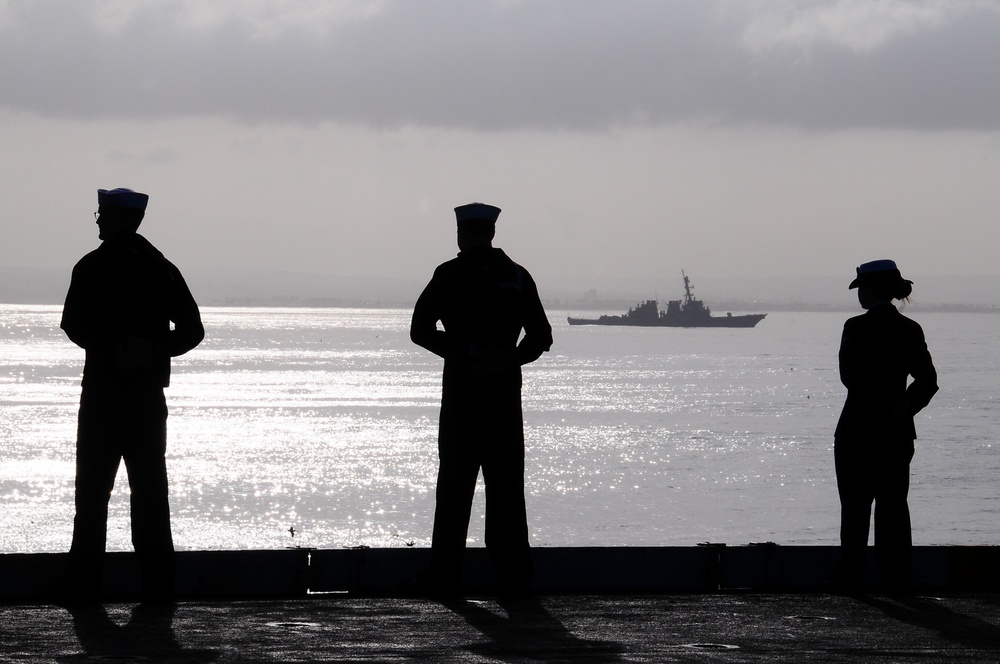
(609,307)
(272,288)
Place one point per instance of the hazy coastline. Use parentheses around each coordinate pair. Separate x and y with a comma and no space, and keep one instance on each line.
(241,287)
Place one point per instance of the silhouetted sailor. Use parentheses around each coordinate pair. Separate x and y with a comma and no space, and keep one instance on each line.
(483,301)
(121,302)
(879,351)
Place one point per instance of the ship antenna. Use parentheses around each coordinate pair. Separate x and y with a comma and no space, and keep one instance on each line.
(687,288)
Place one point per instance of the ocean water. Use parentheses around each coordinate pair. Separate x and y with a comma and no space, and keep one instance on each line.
(324,422)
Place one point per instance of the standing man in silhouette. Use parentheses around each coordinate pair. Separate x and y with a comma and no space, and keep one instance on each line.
(483,301)
(873,445)
(122,299)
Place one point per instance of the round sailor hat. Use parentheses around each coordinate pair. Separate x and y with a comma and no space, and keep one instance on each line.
(476,212)
(122,198)
(883,270)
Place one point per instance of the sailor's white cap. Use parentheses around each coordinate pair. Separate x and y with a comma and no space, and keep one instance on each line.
(476,212)
(122,198)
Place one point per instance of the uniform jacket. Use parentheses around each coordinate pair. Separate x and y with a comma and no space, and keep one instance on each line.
(483,300)
(126,290)
(879,351)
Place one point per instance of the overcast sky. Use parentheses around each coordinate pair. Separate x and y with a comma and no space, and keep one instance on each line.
(623,139)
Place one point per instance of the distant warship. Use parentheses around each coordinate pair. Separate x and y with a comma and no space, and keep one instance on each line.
(689,312)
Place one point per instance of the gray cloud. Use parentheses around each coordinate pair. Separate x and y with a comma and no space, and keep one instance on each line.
(156,155)
(562,64)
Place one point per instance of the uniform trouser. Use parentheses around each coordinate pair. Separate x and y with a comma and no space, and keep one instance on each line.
(882,477)
(497,446)
(129,426)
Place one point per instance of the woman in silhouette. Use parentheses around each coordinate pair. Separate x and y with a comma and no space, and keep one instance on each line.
(873,444)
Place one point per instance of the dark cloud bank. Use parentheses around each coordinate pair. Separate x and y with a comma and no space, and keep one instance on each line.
(560,64)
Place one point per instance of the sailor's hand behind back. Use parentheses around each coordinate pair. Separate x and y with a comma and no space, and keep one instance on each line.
(135,354)
(492,362)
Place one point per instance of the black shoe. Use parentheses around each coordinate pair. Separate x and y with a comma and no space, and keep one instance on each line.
(514,583)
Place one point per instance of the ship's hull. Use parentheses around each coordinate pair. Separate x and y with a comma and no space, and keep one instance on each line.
(746,320)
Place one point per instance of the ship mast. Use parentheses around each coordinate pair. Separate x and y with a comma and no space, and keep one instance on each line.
(687,289)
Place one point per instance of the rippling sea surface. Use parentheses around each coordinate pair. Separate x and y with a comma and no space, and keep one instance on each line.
(325,421)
